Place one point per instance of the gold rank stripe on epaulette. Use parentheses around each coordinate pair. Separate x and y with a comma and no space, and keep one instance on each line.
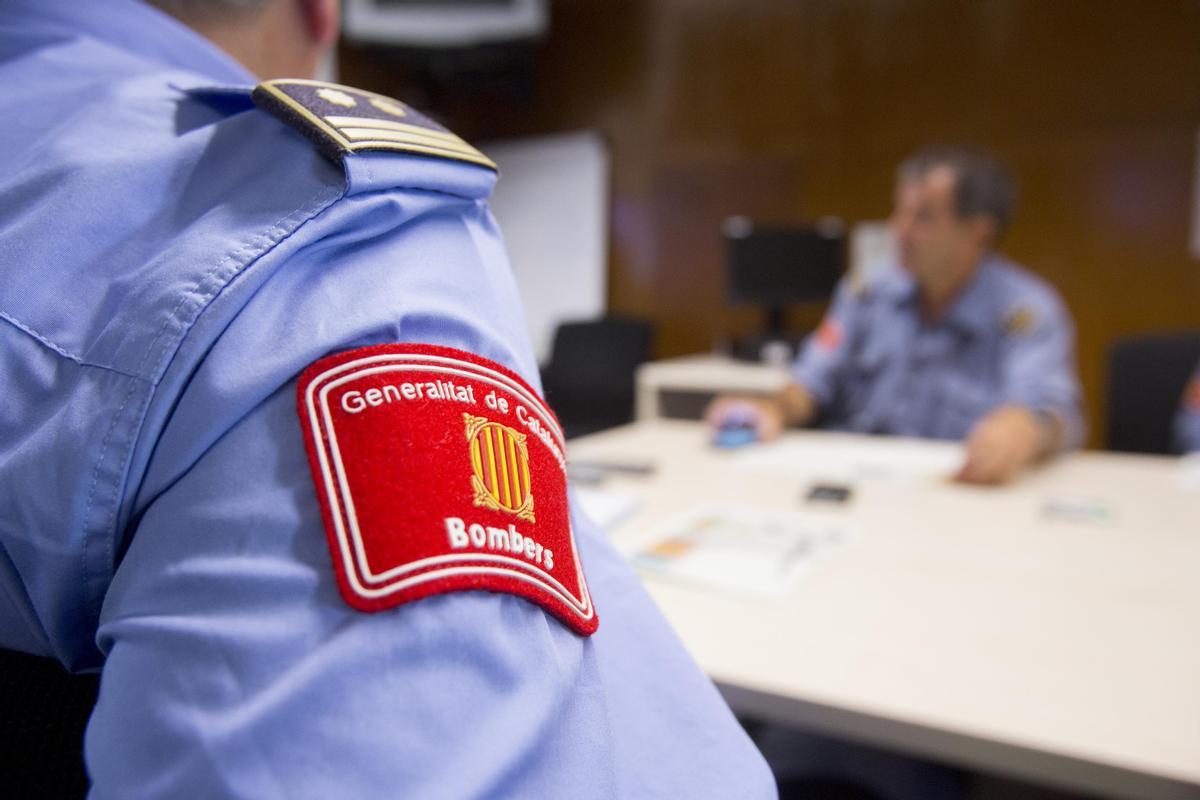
(341,120)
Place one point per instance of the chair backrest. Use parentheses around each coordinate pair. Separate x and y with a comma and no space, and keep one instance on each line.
(1146,379)
(589,379)
(43,713)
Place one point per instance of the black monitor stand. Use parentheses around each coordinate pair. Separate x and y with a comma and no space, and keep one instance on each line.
(775,320)
(750,348)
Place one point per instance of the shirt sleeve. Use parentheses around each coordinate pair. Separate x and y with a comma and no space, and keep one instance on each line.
(234,667)
(1187,421)
(1038,368)
(826,352)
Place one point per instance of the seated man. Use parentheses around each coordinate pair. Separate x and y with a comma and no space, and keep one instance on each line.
(1187,423)
(955,343)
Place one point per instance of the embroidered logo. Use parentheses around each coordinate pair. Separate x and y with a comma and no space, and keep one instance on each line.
(500,467)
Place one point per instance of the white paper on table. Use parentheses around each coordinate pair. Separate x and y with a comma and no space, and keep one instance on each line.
(741,549)
(1187,474)
(855,459)
(605,507)
(1083,509)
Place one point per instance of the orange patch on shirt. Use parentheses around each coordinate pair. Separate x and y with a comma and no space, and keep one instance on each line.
(829,335)
(1191,397)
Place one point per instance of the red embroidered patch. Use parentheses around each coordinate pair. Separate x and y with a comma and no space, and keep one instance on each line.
(440,471)
(829,335)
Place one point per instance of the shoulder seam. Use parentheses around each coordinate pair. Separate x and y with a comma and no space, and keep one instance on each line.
(205,290)
(234,260)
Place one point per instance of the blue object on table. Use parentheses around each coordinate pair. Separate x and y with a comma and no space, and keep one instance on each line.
(734,436)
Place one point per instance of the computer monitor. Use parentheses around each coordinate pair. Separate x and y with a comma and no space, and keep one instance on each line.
(444,23)
(774,266)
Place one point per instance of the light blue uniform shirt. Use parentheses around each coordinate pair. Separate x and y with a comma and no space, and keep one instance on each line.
(877,367)
(172,260)
(1187,423)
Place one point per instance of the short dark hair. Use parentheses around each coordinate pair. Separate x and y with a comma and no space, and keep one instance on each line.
(982,185)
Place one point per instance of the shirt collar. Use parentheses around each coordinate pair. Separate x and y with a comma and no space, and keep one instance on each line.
(971,311)
(138,28)
(898,285)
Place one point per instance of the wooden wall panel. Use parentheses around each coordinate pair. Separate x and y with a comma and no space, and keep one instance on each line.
(790,109)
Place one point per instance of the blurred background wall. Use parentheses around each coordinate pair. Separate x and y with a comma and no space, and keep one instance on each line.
(788,110)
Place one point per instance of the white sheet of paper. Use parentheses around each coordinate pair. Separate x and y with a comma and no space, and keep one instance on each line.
(1080,509)
(852,460)
(741,549)
(1187,475)
(606,507)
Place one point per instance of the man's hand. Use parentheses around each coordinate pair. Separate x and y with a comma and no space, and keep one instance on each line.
(1005,442)
(764,414)
(792,405)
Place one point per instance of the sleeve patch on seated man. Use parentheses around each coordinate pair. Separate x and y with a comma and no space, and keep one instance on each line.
(1191,397)
(829,335)
(440,471)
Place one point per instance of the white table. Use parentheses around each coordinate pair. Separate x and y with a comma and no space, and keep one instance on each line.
(707,374)
(960,623)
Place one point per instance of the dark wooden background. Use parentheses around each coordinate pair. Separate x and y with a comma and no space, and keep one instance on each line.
(787,110)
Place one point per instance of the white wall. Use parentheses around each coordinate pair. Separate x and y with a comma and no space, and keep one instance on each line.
(552,205)
(872,249)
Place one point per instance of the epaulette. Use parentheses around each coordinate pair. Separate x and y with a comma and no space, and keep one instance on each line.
(1019,321)
(341,120)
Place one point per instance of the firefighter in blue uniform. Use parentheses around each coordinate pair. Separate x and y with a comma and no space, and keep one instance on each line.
(177,249)
(953,343)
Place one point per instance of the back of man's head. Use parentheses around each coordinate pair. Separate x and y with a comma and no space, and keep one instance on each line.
(982,185)
(271,38)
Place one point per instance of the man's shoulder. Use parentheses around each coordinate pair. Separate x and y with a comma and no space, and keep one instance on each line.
(165,187)
(372,142)
(1018,281)
(243,137)
(888,283)
(1024,299)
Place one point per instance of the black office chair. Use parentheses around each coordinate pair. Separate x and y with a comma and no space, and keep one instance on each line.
(589,380)
(43,712)
(1146,379)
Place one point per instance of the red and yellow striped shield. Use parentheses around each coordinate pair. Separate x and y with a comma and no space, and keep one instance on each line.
(500,463)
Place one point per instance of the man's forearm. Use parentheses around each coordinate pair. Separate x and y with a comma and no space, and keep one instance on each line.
(798,404)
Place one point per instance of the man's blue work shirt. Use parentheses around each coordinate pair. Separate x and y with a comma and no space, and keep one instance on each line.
(875,366)
(1187,422)
(173,258)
